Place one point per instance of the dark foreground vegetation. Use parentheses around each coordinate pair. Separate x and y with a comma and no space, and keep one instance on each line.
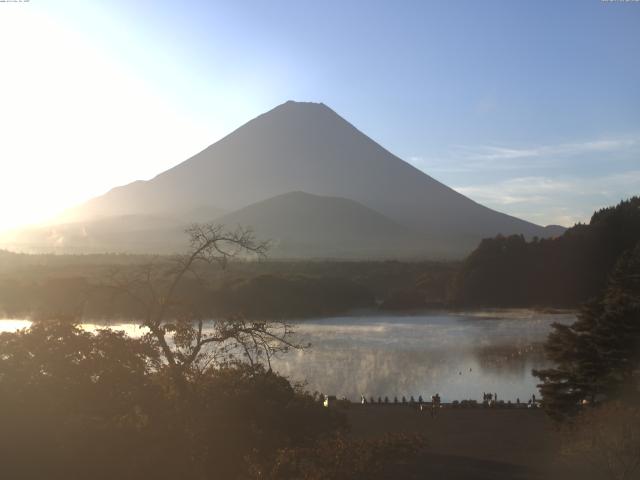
(597,358)
(593,389)
(78,405)
(178,402)
(75,405)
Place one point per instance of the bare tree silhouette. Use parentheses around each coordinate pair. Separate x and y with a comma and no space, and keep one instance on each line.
(166,291)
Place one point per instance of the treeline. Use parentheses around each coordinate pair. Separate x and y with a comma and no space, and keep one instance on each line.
(49,286)
(562,272)
(597,358)
(596,363)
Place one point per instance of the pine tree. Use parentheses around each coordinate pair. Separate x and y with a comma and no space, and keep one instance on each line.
(598,356)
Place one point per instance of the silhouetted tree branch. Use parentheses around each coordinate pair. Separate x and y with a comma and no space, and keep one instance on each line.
(176,322)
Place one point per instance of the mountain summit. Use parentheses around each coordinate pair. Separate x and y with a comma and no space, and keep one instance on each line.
(307,147)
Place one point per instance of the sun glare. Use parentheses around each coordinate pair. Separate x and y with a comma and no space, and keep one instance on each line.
(73,118)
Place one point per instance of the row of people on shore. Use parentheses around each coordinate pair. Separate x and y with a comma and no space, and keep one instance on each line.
(364,400)
(487,399)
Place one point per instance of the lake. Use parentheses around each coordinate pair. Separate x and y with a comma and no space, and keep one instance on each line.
(459,355)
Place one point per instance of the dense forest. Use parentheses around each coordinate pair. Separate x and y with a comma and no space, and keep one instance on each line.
(77,286)
(562,272)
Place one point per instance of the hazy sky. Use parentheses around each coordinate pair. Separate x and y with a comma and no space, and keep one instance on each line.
(532,108)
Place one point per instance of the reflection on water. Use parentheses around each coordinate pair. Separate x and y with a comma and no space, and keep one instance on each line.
(459,355)
(131,329)
(11,325)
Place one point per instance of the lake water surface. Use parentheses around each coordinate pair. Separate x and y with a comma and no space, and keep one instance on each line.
(459,355)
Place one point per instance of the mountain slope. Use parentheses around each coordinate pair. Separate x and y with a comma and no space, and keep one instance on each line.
(136,233)
(308,147)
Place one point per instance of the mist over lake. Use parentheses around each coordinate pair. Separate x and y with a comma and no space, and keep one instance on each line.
(459,355)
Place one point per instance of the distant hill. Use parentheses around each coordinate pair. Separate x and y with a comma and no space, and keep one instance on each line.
(303,225)
(297,224)
(552,231)
(307,147)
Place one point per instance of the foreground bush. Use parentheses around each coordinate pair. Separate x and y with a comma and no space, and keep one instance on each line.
(340,458)
(79,405)
(608,438)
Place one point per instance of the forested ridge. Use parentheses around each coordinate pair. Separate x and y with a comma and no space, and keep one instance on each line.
(76,286)
(561,272)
